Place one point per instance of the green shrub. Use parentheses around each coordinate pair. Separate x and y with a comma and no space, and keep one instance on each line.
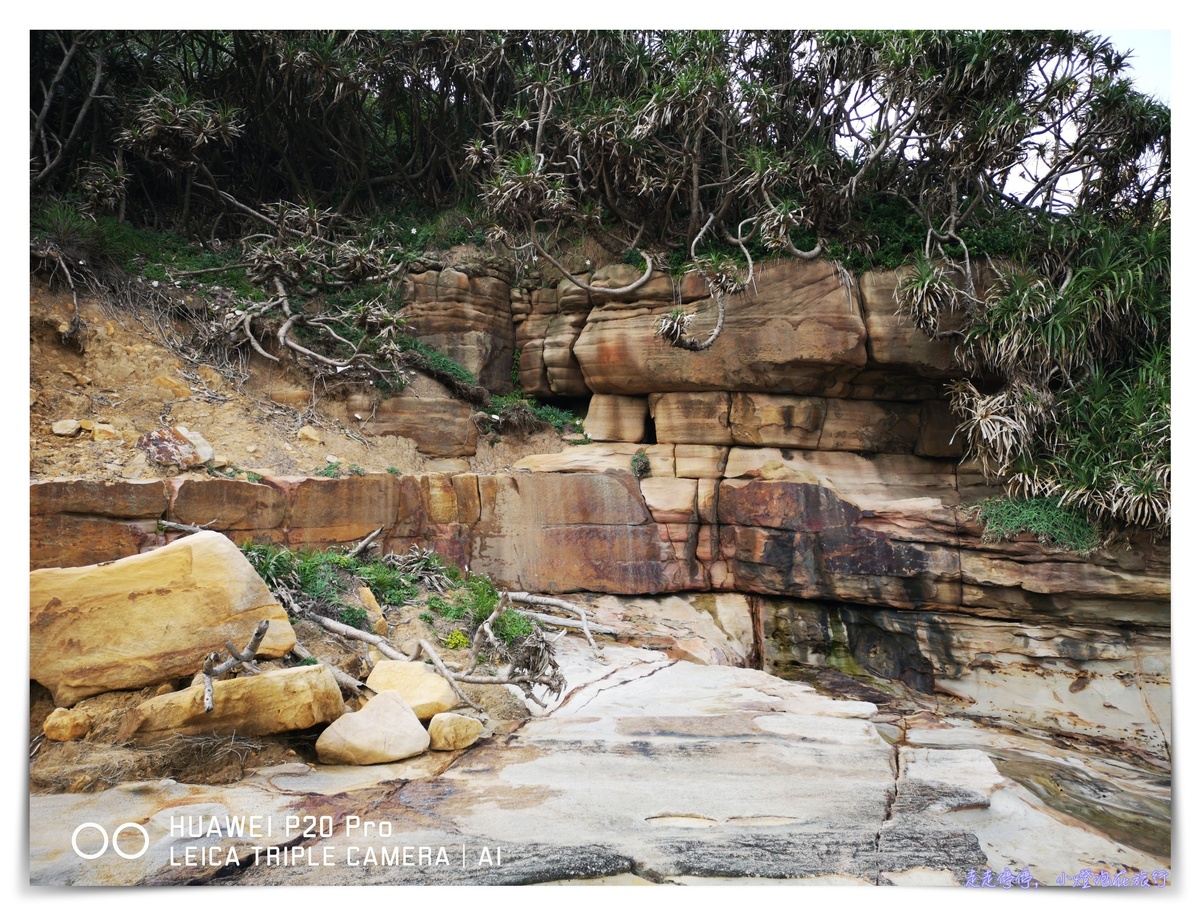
(511,626)
(1050,522)
(386,582)
(640,464)
(482,597)
(307,662)
(272,563)
(316,573)
(332,470)
(457,639)
(354,616)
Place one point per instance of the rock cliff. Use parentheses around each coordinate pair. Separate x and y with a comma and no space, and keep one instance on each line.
(808,459)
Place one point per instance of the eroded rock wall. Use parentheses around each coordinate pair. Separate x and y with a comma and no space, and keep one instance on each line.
(808,456)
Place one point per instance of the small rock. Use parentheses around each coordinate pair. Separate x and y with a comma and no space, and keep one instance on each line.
(203,449)
(422,687)
(104,432)
(374,611)
(384,731)
(171,445)
(251,449)
(449,731)
(65,427)
(172,386)
(331,459)
(309,434)
(67,724)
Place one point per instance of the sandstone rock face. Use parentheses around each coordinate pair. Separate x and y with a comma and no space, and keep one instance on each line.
(546,532)
(700,418)
(425,691)
(268,703)
(777,419)
(441,427)
(337,511)
(614,457)
(895,342)
(112,499)
(1098,681)
(468,318)
(57,541)
(146,619)
(448,731)
(802,334)
(228,505)
(385,730)
(613,418)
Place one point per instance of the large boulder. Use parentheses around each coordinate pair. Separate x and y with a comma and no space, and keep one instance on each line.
(384,731)
(146,619)
(425,691)
(273,702)
(440,426)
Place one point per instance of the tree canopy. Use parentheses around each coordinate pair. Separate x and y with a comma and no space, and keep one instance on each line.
(1017,177)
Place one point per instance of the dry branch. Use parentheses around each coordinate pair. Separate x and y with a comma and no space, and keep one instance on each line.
(214,666)
(385,647)
(450,677)
(344,679)
(524,597)
(365,542)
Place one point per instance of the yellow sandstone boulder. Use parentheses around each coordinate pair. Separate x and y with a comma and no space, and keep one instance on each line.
(148,618)
(266,703)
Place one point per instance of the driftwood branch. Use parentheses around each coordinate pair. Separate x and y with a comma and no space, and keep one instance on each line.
(185,528)
(344,679)
(523,597)
(385,647)
(450,677)
(214,666)
(365,542)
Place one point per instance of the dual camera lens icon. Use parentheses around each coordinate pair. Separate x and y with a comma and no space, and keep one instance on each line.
(106,840)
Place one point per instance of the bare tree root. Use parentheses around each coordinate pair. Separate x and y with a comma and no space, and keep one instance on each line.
(599,290)
(523,597)
(214,666)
